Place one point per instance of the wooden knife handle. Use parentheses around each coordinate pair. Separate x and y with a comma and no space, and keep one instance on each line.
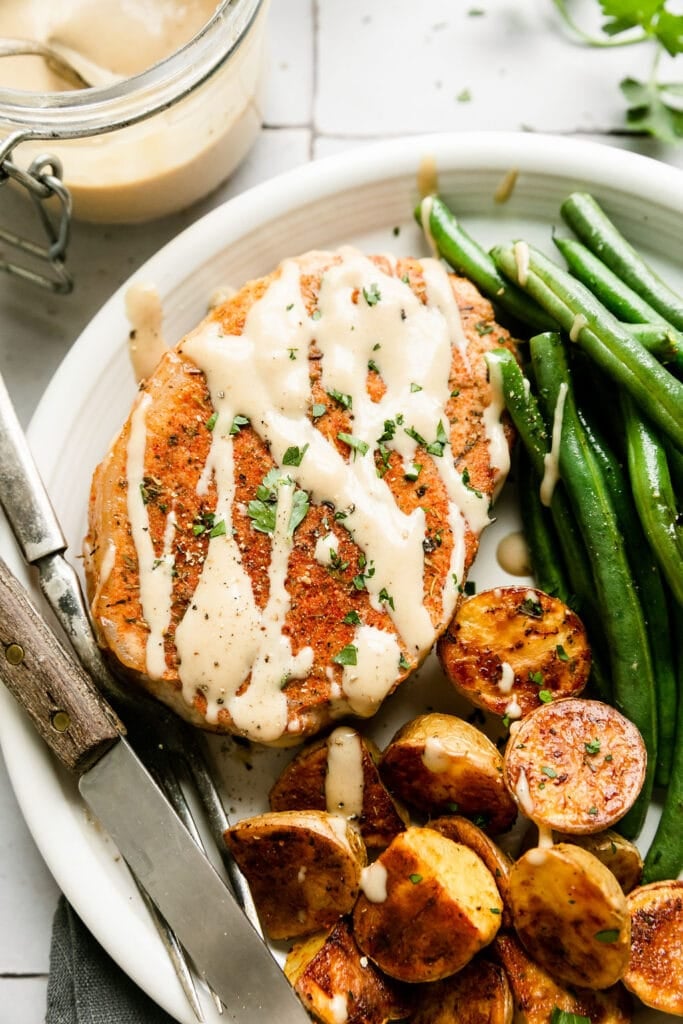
(61,700)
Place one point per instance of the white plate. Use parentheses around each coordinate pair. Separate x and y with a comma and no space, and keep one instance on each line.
(358,197)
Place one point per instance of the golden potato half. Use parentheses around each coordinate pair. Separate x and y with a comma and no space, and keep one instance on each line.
(655,970)
(571,915)
(336,982)
(439,763)
(303,868)
(575,765)
(508,647)
(427,906)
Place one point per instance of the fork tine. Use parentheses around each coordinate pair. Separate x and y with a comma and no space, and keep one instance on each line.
(175,952)
(218,820)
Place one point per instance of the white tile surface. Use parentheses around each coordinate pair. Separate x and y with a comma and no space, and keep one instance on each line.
(342,73)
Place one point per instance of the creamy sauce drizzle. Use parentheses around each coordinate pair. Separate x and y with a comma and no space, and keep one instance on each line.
(373,882)
(507,678)
(264,375)
(146,343)
(344,782)
(545,837)
(156,572)
(338,1008)
(523,795)
(499,450)
(578,323)
(551,460)
(425,220)
(512,554)
(521,251)
(435,757)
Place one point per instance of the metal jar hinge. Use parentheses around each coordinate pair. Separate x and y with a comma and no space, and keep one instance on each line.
(51,198)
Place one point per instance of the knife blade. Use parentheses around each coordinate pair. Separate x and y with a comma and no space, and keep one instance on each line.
(84,732)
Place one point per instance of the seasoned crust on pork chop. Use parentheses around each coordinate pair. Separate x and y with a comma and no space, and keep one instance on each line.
(327,596)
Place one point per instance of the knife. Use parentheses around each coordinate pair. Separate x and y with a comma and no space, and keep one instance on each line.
(85,733)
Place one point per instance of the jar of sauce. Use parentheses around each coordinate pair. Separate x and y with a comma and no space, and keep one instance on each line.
(172,110)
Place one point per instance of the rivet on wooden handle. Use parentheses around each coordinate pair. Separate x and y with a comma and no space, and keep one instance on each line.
(61,700)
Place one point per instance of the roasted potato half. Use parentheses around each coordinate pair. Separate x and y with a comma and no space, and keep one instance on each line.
(462,830)
(478,994)
(427,906)
(575,765)
(439,763)
(571,915)
(335,982)
(620,855)
(339,774)
(536,993)
(303,868)
(655,969)
(506,646)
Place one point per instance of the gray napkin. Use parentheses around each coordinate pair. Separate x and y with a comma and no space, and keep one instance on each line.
(86,986)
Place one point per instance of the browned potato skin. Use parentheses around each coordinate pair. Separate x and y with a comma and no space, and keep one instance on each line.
(478,994)
(304,870)
(506,625)
(461,830)
(442,907)
(327,966)
(620,855)
(301,786)
(536,993)
(655,970)
(570,789)
(561,899)
(472,778)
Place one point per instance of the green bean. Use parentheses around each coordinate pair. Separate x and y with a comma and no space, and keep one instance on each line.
(541,536)
(526,416)
(585,217)
(664,343)
(607,286)
(652,595)
(622,615)
(654,496)
(467,257)
(664,859)
(609,344)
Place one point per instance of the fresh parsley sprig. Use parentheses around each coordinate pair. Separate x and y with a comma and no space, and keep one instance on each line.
(653,107)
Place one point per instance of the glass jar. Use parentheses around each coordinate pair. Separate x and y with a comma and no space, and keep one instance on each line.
(153,143)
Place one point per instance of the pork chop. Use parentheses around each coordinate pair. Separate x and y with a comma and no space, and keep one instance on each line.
(284,525)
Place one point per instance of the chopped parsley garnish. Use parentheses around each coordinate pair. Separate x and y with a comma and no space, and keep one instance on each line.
(292,353)
(294,455)
(607,935)
(536,678)
(372,365)
(352,618)
(466,480)
(211,422)
(592,747)
(238,423)
(470,588)
(413,471)
(592,811)
(415,878)
(336,562)
(300,506)
(385,597)
(561,653)
(218,530)
(403,662)
(316,314)
(389,431)
(318,410)
(545,696)
(372,294)
(358,445)
(482,328)
(347,656)
(494,910)
(437,447)
(559,1016)
(263,508)
(344,400)
(550,772)
(532,607)
(203,523)
(416,387)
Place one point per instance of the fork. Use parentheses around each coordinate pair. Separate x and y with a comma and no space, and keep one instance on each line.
(160,738)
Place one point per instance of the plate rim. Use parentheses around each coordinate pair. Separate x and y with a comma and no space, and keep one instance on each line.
(545,154)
